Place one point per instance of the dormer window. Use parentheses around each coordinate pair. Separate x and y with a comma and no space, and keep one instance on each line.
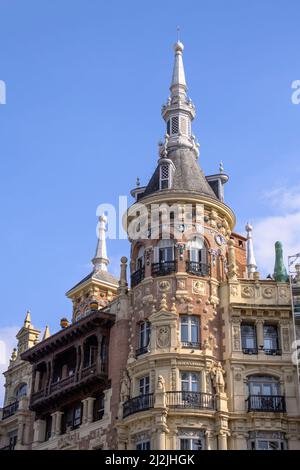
(164,177)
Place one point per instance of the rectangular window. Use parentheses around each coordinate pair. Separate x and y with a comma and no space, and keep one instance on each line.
(190,382)
(164,176)
(144,334)
(144,385)
(271,340)
(143,445)
(168,127)
(248,333)
(189,331)
(190,444)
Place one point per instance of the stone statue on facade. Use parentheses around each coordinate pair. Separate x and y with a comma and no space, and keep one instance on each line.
(125,387)
(160,387)
(218,378)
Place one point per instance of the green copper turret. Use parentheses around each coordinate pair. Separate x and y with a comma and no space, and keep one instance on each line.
(280,273)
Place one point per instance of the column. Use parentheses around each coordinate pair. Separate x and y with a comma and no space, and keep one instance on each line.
(203,381)
(90,409)
(37,376)
(39,430)
(84,411)
(58,423)
(161,439)
(222,441)
(260,334)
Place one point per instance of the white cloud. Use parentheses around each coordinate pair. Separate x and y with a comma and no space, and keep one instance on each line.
(7,343)
(284,199)
(284,227)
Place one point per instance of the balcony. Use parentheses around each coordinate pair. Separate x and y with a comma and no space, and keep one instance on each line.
(140,403)
(190,344)
(250,351)
(137,277)
(163,268)
(91,374)
(191,400)
(10,410)
(143,350)
(199,269)
(267,403)
(273,352)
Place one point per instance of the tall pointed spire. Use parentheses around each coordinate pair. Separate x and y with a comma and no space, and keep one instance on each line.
(178,85)
(46,333)
(179,110)
(101,261)
(251,262)
(27,321)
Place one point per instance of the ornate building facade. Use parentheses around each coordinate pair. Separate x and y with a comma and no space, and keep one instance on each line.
(195,355)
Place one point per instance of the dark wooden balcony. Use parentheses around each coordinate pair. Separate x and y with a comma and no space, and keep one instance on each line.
(191,400)
(137,277)
(163,268)
(140,403)
(10,410)
(199,269)
(93,373)
(266,403)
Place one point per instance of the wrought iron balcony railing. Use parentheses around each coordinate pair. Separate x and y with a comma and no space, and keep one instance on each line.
(163,268)
(196,400)
(10,410)
(250,351)
(140,403)
(137,277)
(190,344)
(199,269)
(275,403)
(273,352)
(143,350)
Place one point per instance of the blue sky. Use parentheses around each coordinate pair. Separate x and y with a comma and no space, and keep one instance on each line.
(85,84)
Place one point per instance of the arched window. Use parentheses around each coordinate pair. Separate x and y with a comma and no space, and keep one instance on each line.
(21,391)
(264,394)
(164,258)
(197,263)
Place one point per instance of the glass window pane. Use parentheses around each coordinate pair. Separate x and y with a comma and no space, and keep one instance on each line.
(184,332)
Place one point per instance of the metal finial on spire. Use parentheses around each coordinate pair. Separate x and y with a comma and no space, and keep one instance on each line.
(178,31)
(251,262)
(221,167)
(101,261)
(138,183)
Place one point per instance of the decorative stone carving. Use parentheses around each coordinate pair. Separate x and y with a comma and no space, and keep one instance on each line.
(198,287)
(234,291)
(285,339)
(268,292)
(125,387)
(181,284)
(163,337)
(160,387)
(218,378)
(247,292)
(164,286)
(236,335)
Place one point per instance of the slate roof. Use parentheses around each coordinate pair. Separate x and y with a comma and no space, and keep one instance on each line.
(99,276)
(188,175)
